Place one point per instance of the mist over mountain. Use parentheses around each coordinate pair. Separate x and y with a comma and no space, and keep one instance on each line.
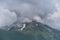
(20,11)
(29,19)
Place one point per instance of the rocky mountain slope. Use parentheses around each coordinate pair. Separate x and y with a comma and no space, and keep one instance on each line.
(31,31)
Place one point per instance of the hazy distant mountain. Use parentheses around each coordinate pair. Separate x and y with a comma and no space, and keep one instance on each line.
(32,31)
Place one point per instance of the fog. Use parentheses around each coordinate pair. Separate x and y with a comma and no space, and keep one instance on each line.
(44,11)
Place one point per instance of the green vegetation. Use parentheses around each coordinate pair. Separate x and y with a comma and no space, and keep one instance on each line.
(32,31)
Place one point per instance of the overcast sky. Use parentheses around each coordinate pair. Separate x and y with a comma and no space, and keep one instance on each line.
(44,11)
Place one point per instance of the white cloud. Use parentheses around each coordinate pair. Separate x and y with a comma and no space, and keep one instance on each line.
(30,9)
(37,18)
(53,20)
(6,17)
(25,19)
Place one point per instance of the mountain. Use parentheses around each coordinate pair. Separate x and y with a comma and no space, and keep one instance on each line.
(31,31)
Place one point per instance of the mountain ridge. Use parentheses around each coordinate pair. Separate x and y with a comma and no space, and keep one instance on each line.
(32,31)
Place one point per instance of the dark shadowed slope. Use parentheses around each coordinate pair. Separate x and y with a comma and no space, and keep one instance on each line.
(5,35)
